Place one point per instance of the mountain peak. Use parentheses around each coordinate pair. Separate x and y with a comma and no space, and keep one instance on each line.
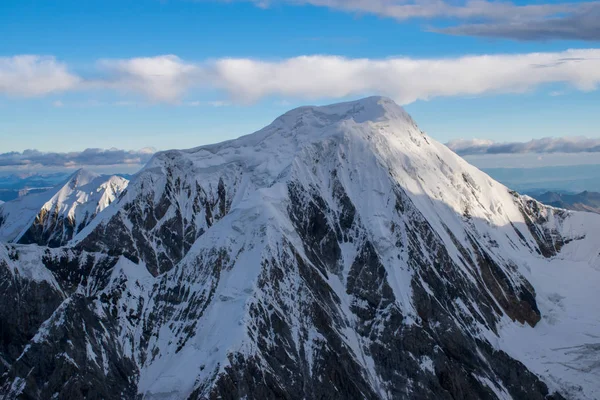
(81,177)
(373,108)
(309,123)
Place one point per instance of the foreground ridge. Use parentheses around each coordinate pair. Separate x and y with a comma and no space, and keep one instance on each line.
(337,253)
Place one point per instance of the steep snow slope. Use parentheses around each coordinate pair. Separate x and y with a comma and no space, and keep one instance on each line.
(338,253)
(53,217)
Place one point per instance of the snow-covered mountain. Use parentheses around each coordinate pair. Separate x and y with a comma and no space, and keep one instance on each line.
(53,217)
(338,253)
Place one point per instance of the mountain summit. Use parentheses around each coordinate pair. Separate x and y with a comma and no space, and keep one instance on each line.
(373,109)
(338,253)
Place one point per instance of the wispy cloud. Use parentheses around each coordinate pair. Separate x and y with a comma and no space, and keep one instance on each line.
(546,145)
(170,79)
(337,40)
(215,103)
(406,9)
(582,24)
(88,157)
(569,20)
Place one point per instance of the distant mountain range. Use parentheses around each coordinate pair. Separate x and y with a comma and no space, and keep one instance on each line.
(17,181)
(584,201)
(14,186)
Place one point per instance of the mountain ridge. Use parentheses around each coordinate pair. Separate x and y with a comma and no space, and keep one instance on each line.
(55,216)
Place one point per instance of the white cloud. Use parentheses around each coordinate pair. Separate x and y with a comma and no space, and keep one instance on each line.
(31,75)
(406,79)
(161,78)
(169,79)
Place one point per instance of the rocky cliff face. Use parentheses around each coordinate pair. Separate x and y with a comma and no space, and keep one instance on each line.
(338,253)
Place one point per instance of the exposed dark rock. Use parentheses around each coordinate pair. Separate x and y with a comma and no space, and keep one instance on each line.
(25,304)
(73,356)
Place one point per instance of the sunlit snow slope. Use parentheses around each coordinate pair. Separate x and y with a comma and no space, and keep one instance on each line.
(337,253)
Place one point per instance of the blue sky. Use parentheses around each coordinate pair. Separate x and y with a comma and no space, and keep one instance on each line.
(90,94)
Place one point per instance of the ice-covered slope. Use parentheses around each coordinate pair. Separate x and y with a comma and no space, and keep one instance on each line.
(52,218)
(338,253)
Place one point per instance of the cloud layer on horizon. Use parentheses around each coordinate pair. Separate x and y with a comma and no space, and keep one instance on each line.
(466,147)
(168,78)
(115,157)
(87,157)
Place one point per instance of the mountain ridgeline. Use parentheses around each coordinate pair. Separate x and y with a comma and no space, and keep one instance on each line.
(52,218)
(338,253)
